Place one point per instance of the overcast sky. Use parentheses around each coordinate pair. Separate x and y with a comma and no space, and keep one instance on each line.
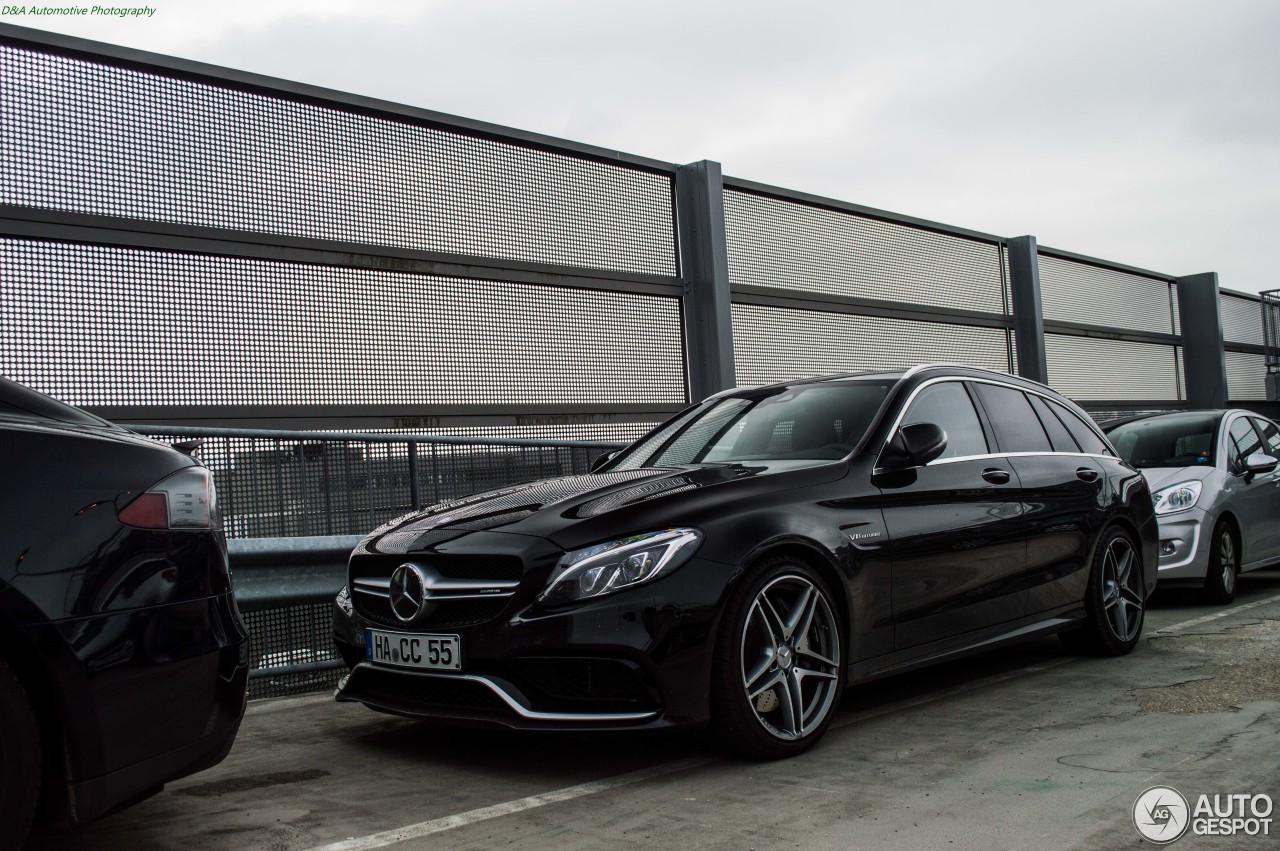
(1142,132)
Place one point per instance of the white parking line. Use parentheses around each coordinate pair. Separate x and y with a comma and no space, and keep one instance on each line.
(1213,617)
(439,825)
(426,828)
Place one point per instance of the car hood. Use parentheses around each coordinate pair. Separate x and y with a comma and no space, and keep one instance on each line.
(1162,477)
(543,507)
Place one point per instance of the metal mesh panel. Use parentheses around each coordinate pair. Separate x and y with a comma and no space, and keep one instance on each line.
(1241,319)
(269,487)
(287,637)
(1078,292)
(778,344)
(1246,376)
(778,243)
(1085,368)
(91,138)
(93,325)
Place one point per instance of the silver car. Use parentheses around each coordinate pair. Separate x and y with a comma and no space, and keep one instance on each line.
(1217,493)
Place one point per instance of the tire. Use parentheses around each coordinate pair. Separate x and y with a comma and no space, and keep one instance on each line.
(20,761)
(1224,565)
(780,644)
(1115,599)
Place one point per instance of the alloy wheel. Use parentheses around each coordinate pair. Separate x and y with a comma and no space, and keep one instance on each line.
(790,657)
(1122,596)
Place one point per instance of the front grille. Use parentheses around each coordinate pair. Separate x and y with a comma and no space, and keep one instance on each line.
(451,614)
(374,605)
(434,694)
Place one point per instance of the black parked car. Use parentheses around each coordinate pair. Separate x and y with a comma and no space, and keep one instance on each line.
(746,560)
(123,661)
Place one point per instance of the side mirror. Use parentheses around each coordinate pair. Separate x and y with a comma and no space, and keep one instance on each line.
(604,459)
(915,445)
(1259,463)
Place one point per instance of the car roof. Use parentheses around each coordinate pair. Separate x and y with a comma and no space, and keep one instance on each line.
(23,403)
(1214,413)
(895,375)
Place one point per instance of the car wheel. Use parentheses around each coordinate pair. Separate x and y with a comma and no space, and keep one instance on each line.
(778,670)
(1115,599)
(1224,565)
(20,764)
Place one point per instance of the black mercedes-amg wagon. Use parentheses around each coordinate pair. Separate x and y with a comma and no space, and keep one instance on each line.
(744,562)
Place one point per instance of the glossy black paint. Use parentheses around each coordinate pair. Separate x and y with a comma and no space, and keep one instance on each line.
(112,629)
(927,562)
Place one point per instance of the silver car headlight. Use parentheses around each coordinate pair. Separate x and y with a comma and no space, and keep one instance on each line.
(1178,497)
(618,565)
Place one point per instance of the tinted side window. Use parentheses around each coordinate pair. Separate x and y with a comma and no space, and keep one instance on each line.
(1058,435)
(1016,425)
(1244,442)
(1270,437)
(948,405)
(1089,442)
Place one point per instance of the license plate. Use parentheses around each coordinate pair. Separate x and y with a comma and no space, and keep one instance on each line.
(426,652)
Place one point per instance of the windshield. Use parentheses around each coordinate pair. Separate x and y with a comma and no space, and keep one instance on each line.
(1173,441)
(807,424)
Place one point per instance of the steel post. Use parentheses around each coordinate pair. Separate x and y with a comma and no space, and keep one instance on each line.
(704,269)
(1203,360)
(1028,312)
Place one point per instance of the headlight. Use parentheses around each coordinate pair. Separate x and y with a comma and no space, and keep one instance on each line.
(1176,498)
(343,601)
(620,564)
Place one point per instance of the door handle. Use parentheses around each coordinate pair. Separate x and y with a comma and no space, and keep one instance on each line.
(996,476)
(1087,474)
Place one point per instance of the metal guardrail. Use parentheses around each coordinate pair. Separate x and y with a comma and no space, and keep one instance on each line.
(285,589)
(280,484)
(279,488)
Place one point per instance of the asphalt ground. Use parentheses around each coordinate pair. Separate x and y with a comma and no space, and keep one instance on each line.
(1026,747)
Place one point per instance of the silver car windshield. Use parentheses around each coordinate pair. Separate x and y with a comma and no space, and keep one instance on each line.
(1182,440)
(804,423)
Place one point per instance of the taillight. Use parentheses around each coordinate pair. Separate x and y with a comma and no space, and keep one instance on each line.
(184,500)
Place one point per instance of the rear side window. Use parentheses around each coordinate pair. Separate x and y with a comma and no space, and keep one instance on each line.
(1058,435)
(1270,437)
(1084,435)
(948,405)
(1016,425)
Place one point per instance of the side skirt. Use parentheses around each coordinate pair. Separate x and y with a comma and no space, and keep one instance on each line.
(979,641)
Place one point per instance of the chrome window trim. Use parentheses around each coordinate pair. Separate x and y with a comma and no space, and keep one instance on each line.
(1016,455)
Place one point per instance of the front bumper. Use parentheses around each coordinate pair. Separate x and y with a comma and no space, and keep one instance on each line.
(1185,535)
(634,660)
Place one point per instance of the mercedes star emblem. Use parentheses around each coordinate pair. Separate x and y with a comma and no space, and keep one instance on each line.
(408,592)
